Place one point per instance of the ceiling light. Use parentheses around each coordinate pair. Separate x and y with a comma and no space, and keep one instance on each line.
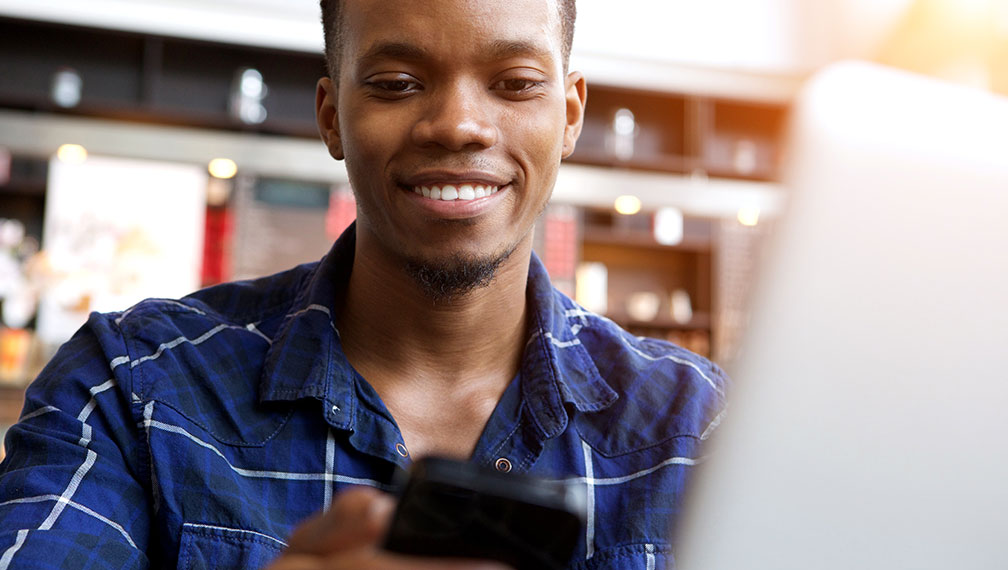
(65,89)
(627,205)
(222,168)
(72,153)
(247,93)
(749,216)
(669,226)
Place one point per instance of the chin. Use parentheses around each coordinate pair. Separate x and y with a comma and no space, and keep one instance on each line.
(444,275)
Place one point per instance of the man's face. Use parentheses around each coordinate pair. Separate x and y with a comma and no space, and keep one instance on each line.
(452,116)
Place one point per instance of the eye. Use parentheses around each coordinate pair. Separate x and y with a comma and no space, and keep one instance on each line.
(518,86)
(392,87)
(395,85)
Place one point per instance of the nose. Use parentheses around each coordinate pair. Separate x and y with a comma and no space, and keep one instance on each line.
(456,117)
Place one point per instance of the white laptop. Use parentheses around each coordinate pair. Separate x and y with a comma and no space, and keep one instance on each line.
(868,427)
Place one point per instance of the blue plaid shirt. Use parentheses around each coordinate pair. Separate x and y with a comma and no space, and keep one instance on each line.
(199,432)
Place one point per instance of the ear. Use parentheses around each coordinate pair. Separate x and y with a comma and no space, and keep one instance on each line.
(577,95)
(327,117)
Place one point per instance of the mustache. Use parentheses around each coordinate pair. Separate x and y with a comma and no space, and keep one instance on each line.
(459,161)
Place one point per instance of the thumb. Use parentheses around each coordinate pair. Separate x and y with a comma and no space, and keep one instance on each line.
(358,517)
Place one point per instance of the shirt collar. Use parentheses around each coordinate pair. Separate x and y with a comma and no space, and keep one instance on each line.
(557,369)
(306,358)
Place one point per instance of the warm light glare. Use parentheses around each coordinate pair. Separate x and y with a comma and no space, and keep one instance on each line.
(961,41)
(71,153)
(748,216)
(967,8)
(627,205)
(222,168)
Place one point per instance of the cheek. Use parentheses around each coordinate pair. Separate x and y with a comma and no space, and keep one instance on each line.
(543,131)
(370,134)
(539,140)
(362,145)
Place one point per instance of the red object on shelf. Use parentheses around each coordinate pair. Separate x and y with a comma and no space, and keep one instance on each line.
(217,240)
(560,247)
(342,212)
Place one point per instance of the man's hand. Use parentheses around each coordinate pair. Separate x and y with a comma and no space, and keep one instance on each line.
(349,536)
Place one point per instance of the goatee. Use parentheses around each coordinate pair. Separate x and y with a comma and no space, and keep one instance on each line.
(444,280)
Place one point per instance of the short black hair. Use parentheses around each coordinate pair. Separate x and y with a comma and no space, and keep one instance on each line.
(332,26)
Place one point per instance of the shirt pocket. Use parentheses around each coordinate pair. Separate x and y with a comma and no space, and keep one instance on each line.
(205,547)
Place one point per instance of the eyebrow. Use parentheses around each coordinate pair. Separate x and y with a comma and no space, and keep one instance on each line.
(394,50)
(500,49)
(503,49)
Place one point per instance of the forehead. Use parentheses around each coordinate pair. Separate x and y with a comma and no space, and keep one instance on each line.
(454,27)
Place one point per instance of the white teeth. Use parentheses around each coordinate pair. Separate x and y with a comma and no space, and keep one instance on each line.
(448,192)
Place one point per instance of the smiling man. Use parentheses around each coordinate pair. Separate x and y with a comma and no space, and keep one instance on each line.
(206,431)
(452,118)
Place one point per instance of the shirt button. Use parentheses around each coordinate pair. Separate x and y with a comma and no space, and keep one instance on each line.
(335,409)
(503,465)
(401,450)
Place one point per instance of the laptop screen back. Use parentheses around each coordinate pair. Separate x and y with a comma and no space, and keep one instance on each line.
(868,425)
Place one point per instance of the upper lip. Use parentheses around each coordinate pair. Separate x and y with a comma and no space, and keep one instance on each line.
(456,177)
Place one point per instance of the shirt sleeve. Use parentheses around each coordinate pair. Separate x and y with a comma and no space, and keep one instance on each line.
(72,488)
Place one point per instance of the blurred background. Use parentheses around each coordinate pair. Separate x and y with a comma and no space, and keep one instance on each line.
(151,147)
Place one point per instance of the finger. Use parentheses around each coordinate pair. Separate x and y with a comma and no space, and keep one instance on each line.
(357,517)
(374,560)
(412,563)
(296,562)
(371,559)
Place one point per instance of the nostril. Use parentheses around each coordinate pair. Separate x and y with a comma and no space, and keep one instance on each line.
(455,120)
(455,134)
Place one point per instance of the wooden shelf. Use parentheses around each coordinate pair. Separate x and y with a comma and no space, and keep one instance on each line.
(11,402)
(636,263)
(671,163)
(639,239)
(700,321)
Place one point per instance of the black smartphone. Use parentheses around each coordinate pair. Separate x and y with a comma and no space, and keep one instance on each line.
(452,508)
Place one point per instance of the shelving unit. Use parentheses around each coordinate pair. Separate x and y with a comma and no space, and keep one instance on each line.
(661,142)
(153,79)
(637,264)
(741,139)
(683,134)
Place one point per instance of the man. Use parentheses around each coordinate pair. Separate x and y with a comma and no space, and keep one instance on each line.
(201,432)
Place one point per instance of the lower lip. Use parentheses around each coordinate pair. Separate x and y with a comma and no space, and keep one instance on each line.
(456,209)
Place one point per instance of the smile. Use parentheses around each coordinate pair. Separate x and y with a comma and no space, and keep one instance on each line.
(450,192)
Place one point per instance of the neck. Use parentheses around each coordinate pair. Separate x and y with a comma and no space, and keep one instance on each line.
(393,332)
(440,366)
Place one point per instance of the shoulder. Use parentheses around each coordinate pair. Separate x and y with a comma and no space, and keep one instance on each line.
(664,391)
(214,323)
(202,353)
(247,304)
